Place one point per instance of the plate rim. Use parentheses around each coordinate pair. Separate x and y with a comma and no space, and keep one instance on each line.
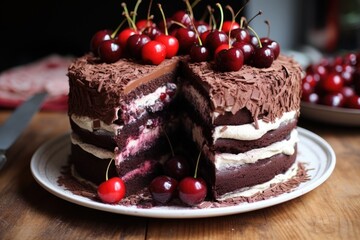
(181,212)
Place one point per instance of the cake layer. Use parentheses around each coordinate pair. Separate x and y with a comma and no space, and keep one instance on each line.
(265,92)
(229,180)
(100,91)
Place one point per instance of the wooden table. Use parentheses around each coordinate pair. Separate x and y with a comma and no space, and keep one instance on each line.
(27,211)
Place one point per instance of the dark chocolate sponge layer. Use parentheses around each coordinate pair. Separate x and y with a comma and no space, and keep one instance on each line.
(248,175)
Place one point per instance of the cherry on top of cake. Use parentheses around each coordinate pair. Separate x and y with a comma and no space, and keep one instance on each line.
(227,43)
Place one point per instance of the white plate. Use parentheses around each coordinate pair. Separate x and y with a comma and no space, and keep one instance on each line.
(48,160)
(333,115)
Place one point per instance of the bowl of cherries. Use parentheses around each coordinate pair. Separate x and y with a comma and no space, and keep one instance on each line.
(331,90)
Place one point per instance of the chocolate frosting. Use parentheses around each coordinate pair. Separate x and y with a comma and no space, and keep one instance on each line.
(266,92)
(97,89)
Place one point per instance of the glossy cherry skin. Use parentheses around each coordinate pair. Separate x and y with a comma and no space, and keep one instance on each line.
(124,35)
(98,38)
(229,60)
(199,53)
(241,35)
(311,98)
(247,49)
(112,190)
(263,57)
(152,32)
(109,51)
(254,41)
(171,43)
(192,191)
(182,17)
(229,25)
(177,167)
(221,47)
(333,100)
(186,38)
(163,189)
(332,83)
(216,38)
(310,79)
(353,102)
(135,43)
(275,46)
(202,27)
(153,52)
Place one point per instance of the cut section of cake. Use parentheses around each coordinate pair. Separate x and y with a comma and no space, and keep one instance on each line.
(117,112)
(243,121)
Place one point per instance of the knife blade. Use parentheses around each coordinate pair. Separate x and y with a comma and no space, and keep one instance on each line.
(14,125)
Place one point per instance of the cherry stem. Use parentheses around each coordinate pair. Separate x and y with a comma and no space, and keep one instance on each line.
(168,139)
(259,13)
(126,13)
(221,16)
(195,3)
(242,22)
(228,7)
(268,25)
(238,12)
(260,45)
(107,170)
(117,29)
(189,8)
(178,23)
(135,10)
(196,32)
(148,12)
(164,19)
(197,163)
(212,21)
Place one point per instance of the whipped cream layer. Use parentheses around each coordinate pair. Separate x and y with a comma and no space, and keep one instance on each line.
(229,160)
(87,123)
(133,145)
(152,102)
(249,131)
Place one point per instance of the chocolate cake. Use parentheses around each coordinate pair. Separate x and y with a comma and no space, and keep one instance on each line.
(243,122)
(117,111)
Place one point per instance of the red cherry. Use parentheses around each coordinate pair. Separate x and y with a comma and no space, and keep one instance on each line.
(272,45)
(309,78)
(192,191)
(353,102)
(199,53)
(109,51)
(311,98)
(163,189)
(332,83)
(254,41)
(263,57)
(333,100)
(215,39)
(112,190)
(153,52)
(307,89)
(152,32)
(229,59)
(348,92)
(221,47)
(182,17)
(135,43)
(186,38)
(124,35)
(171,44)
(163,96)
(177,167)
(351,59)
(241,35)
(202,27)
(229,25)
(204,35)
(143,23)
(98,38)
(247,49)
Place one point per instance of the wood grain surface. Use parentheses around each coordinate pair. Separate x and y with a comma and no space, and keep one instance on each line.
(27,211)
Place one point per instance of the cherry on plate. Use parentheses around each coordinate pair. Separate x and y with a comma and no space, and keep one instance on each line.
(192,191)
(163,189)
(112,190)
